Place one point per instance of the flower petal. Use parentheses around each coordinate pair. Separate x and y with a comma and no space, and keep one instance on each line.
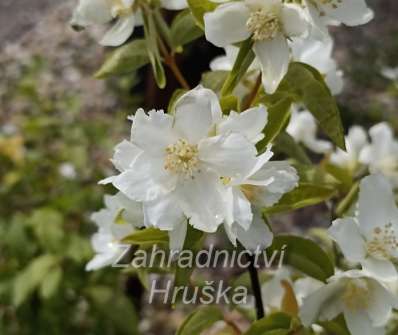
(91,12)
(125,154)
(153,133)
(272,182)
(314,304)
(274,59)
(229,155)
(257,237)
(359,323)
(242,211)
(227,24)
(378,268)
(376,204)
(177,236)
(174,4)
(146,180)
(249,123)
(349,12)
(293,20)
(163,213)
(380,307)
(200,199)
(196,112)
(120,32)
(226,62)
(347,235)
(132,210)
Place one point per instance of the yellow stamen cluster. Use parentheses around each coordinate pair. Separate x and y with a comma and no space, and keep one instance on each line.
(182,158)
(263,25)
(357,295)
(226,180)
(384,240)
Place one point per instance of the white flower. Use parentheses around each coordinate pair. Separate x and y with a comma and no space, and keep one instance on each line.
(126,13)
(270,23)
(255,237)
(106,241)
(90,12)
(371,238)
(174,4)
(303,128)
(365,303)
(67,170)
(262,186)
(174,164)
(390,73)
(382,154)
(355,142)
(273,290)
(227,61)
(333,12)
(318,54)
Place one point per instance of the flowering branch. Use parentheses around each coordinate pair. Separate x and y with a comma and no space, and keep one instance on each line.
(170,61)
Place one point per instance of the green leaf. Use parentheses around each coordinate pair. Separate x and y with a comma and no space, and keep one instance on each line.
(31,277)
(200,320)
(199,8)
(306,194)
(115,307)
(147,236)
(242,63)
(308,87)
(277,323)
(51,282)
(184,29)
(286,144)
(214,80)
(304,255)
(342,175)
(162,27)
(151,36)
(125,59)
(337,326)
(278,117)
(174,98)
(47,226)
(314,174)
(229,103)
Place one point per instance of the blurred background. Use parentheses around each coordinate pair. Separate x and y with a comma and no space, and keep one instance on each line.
(58,126)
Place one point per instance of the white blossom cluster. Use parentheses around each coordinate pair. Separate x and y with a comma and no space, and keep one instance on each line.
(365,297)
(200,167)
(282,30)
(127,14)
(375,150)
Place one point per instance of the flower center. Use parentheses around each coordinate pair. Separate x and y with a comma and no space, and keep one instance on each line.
(357,295)
(182,158)
(263,25)
(384,239)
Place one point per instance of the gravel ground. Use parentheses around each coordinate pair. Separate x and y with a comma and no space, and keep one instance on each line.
(19,16)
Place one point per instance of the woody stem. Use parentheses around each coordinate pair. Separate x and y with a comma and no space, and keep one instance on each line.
(256,287)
